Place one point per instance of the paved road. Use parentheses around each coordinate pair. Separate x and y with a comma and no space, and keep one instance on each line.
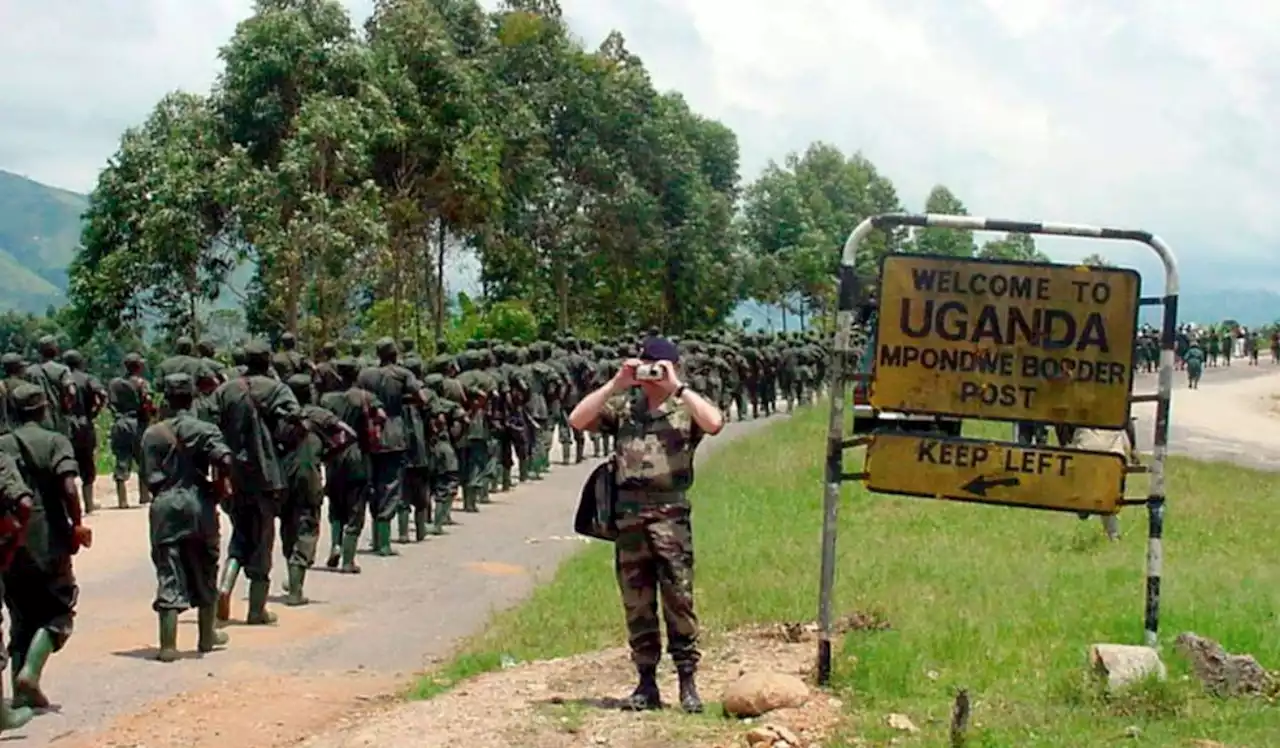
(1186,439)
(396,617)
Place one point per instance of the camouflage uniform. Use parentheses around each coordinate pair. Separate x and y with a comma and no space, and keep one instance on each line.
(89,399)
(16,505)
(348,471)
(654,551)
(177,455)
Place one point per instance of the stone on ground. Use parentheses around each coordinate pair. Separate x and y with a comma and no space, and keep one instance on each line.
(758,693)
(1125,664)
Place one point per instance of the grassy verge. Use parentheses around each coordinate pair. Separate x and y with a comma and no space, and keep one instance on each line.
(1004,602)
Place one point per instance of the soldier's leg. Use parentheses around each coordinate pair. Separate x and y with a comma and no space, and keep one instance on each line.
(548,436)
(405,511)
(579,446)
(740,400)
(636,573)
(171,596)
(489,469)
(84,453)
(388,481)
(472,464)
(506,461)
(337,517)
(200,553)
(259,517)
(144,493)
(306,536)
(123,454)
(526,451)
(417,491)
(565,436)
(290,518)
(355,499)
(43,608)
(672,543)
(444,487)
(11,718)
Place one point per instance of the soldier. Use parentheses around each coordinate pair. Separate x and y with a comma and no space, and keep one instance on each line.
(323,434)
(255,412)
(208,356)
(287,360)
(40,585)
(397,389)
(417,479)
(325,373)
(348,471)
(16,505)
(1194,361)
(59,386)
(657,425)
(473,451)
(183,361)
(178,456)
(129,398)
(15,370)
(89,399)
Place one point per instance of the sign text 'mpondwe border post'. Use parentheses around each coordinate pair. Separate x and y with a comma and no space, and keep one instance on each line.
(1006,341)
(988,359)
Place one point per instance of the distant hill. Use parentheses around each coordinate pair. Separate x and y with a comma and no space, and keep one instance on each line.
(39,233)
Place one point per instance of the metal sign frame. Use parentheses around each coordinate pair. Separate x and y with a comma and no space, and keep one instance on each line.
(841,366)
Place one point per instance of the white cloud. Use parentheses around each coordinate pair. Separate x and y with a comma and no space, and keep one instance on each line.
(1148,113)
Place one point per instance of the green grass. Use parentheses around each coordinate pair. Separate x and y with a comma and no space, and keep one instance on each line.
(1004,602)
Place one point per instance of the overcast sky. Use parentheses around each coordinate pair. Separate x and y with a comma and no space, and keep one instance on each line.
(1157,114)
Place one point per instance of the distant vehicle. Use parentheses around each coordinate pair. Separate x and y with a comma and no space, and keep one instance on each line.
(867,419)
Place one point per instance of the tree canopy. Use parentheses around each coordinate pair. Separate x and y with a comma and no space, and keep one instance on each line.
(350,166)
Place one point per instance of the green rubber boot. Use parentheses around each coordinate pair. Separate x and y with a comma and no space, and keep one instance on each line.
(258,613)
(382,537)
(441,517)
(402,525)
(335,545)
(86,498)
(421,523)
(506,478)
(524,471)
(210,637)
(144,493)
(227,585)
(122,495)
(26,684)
(469,500)
(168,636)
(350,541)
(12,718)
(482,494)
(297,577)
(564,454)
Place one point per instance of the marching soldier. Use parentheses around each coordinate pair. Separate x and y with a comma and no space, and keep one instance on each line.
(348,471)
(59,387)
(16,505)
(179,454)
(40,585)
(89,399)
(129,398)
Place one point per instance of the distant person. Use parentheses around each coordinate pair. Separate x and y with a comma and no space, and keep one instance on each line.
(656,422)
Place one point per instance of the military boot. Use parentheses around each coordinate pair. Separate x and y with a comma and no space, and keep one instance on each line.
(297,577)
(524,471)
(258,613)
(168,636)
(383,529)
(12,718)
(335,545)
(690,701)
(646,696)
(421,523)
(210,637)
(469,499)
(564,454)
(441,518)
(227,585)
(144,493)
(122,495)
(350,541)
(402,525)
(578,455)
(506,478)
(26,682)
(86,496)
(482,495)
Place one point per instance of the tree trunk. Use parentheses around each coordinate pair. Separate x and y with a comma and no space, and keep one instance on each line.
(440,279)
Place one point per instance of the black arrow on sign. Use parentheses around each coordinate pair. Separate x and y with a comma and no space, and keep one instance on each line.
(979,486)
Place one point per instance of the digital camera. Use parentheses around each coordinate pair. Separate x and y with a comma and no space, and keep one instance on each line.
(650,373)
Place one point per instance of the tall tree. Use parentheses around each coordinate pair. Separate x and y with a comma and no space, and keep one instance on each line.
(1013,246)
(939,241)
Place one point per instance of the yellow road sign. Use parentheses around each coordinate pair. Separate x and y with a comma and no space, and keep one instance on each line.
(995,473)
(1005,341)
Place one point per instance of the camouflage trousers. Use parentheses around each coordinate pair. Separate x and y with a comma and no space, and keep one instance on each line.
(39,595)
(653,558)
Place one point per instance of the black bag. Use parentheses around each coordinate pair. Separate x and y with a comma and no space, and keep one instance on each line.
(596,516)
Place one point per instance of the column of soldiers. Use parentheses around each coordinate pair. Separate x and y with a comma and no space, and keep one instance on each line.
(391,441)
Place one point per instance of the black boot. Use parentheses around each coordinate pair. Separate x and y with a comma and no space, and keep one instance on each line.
(690,701)
(646,696)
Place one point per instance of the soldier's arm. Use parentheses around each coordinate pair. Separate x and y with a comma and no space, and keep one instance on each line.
(62,463)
